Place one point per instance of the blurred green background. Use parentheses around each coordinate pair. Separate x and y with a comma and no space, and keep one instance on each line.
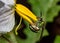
(50,10)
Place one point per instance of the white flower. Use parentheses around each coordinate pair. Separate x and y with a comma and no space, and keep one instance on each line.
(7,20)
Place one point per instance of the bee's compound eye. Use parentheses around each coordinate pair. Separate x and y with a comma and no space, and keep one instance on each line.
(1,4)
(34,28)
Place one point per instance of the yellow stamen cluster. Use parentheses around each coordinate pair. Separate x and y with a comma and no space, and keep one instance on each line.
(25,13)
